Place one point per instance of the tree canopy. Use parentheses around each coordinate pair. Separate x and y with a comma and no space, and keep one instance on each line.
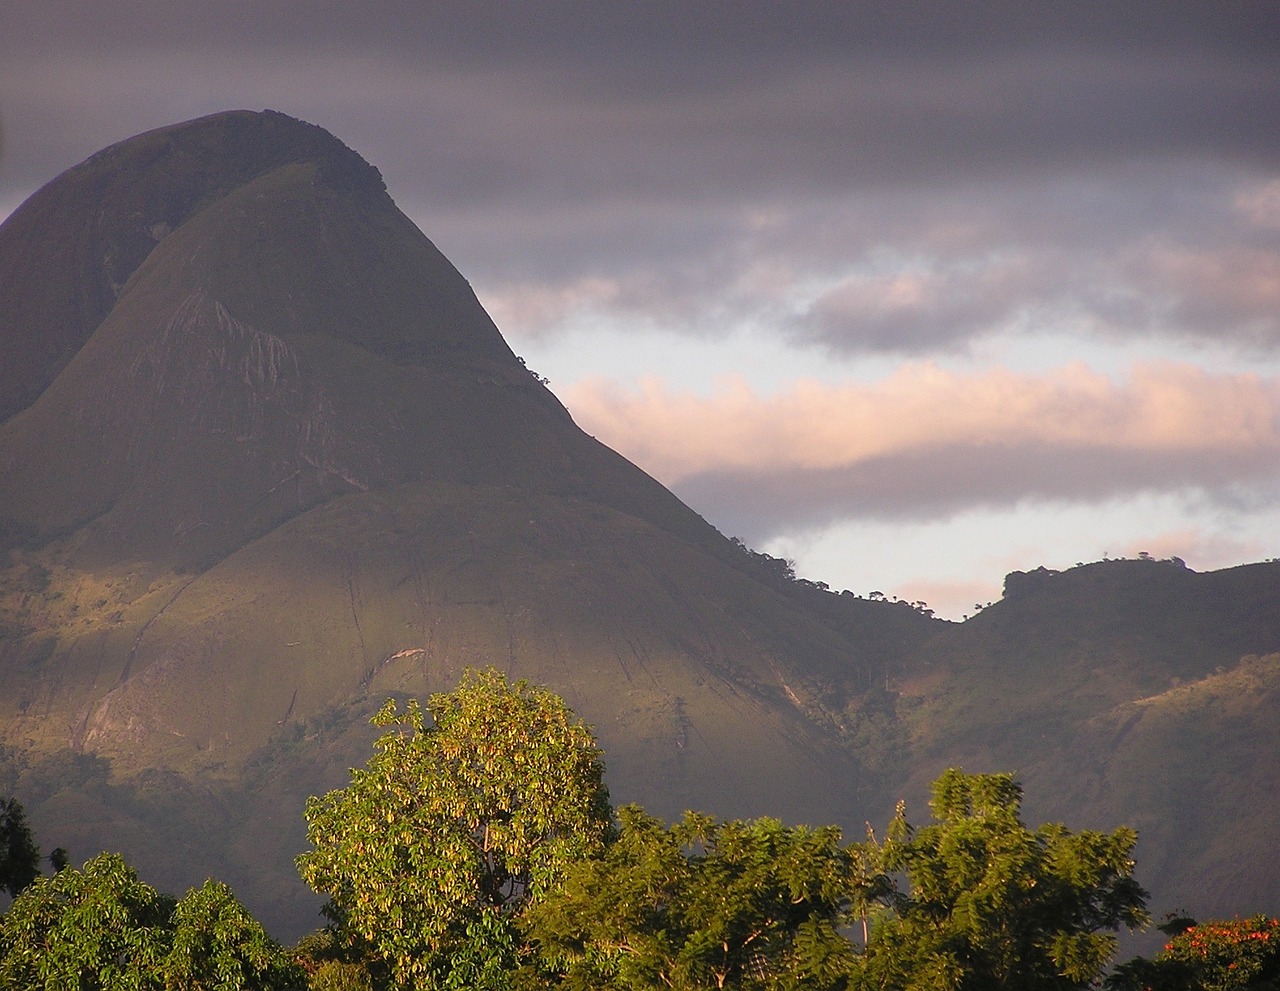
(96,928)
(454,825)
(477,849)
(992,904)
(700,904)
(101,928)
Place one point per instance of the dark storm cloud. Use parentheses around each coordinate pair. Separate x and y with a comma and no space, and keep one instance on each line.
(658,99)
(690,153)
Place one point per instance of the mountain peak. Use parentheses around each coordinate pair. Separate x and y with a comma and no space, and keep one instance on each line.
(69,250)
(265,460)
(222,323)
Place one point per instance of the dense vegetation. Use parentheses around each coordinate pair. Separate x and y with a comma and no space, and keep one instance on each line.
(477,849)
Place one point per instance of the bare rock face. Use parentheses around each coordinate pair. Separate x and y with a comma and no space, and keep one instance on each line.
(65,266)
(199,388)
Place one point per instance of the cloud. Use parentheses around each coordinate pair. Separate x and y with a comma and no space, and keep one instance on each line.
(1232,292)
(718,101)
(952,599)
(1180,253)
(926,443)
(920,305)
(1260,204)
(1025,164)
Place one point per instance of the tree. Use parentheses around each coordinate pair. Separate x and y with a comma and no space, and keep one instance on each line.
(452,828)
(96,928)
(1219,955)
(19,855)
(992,904)
(701,904)
(216,945)
(101,928)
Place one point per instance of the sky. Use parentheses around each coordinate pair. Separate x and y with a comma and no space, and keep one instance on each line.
(912,293)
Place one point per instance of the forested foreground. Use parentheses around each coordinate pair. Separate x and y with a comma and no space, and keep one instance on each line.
(478,849)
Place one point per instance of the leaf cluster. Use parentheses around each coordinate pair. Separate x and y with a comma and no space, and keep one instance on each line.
(455,824)
(993,904)
(700,904)
(101,927)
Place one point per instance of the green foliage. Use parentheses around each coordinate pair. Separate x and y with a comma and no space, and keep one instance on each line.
(452,828)
(701,904)
(487,958)
(96,928)
(19,855)
(476,853)
(336,975)
(218,946)
(992,904)
(102,928)
(331,964)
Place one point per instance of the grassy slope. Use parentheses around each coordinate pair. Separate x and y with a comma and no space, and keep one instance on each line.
(700,682)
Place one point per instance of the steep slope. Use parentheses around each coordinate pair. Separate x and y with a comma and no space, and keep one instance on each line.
(295,339)
(57,289)
(274,462)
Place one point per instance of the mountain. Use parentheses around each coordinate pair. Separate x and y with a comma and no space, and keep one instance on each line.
(265,461)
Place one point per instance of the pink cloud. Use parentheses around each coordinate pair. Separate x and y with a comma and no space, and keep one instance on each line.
(1236,287)
(926,443)
(532,308)
(1162,409)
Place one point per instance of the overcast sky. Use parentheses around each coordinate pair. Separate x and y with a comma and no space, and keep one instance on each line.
(912,293)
